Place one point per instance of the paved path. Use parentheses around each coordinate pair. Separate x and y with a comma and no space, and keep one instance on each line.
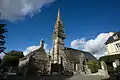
(77,77)
(86,77)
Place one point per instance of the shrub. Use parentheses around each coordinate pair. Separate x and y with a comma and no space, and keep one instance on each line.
(110,70)
(94,66)
(118,69)
(109,60)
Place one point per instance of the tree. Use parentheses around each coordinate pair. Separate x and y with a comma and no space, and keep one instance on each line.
(12,58)
(2,37)
(10,61)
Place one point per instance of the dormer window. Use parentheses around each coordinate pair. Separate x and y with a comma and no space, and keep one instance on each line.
(117,46)
(115,37)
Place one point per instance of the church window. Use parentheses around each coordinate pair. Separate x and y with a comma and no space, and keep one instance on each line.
(74,66)
(117,46)
(115,37)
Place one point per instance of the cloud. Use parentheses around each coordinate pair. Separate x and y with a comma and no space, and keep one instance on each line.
(95,46)
(2,55)
(99,55)
(78,43)
(32,48)
(17,9)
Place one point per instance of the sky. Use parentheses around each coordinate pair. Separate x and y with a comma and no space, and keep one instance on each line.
(86,22)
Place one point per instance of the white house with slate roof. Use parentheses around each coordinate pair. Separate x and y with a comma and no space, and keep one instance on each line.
(113,44)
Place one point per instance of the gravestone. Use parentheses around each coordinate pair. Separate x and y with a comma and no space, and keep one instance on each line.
(104,70)
(114,65)
(117,62)
(87,70)
(103,65)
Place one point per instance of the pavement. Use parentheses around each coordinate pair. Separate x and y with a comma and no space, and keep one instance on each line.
(80,76)
(86,77)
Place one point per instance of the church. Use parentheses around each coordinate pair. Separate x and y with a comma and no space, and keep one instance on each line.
(67,59)
(61,59)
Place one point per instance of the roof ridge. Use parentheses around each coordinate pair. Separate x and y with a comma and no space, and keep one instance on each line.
(76,49)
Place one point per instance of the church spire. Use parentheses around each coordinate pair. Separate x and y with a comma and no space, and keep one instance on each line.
(58,17)
(58,39)
(59,28)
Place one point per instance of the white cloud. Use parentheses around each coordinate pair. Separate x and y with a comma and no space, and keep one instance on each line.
(46,49)
(78,43)
(32,48)
(99,55)
(2,55)
(17,9)
(95,46)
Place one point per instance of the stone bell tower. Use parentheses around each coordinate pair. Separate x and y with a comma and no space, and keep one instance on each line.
(58,40)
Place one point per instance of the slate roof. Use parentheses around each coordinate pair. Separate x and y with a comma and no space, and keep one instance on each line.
(111,39)
(73,55)
(39,51)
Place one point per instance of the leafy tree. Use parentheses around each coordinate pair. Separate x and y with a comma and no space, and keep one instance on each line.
(94,66)
(12,58)
(11,61)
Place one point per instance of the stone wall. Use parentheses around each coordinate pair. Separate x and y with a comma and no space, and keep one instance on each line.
(70,66)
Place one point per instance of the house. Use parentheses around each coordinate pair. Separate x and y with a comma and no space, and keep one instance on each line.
(113,44)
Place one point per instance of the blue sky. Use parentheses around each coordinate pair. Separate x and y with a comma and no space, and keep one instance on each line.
(81,18)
